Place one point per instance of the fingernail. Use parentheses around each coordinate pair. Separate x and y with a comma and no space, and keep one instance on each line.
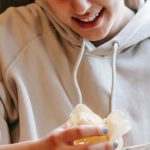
(105,130)
(115,144)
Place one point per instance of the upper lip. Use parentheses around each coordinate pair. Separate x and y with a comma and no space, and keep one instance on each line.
(87,15)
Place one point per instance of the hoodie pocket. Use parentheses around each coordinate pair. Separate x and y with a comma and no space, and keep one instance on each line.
(138,147)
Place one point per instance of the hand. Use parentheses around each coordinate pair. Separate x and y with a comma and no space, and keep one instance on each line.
(62,139)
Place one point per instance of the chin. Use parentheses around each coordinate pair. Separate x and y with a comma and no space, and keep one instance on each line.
(95,36)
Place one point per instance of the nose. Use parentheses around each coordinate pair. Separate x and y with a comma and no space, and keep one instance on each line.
(80,7)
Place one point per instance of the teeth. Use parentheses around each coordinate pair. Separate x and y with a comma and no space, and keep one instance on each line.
(91,18)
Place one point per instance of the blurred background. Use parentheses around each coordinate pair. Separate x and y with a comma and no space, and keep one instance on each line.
(4,4)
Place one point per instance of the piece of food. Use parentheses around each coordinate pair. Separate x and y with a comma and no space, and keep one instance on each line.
(115,121)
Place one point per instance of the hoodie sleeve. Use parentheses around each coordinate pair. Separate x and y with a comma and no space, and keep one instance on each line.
(11,45)
(13,40)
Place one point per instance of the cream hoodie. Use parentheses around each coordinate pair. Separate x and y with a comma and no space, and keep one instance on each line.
(46,69)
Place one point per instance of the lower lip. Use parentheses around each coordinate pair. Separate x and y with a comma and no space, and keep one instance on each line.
(92,24)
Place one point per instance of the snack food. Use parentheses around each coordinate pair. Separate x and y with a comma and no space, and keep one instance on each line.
(115,121)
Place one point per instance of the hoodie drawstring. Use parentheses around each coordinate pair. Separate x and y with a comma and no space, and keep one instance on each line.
(113,87)
(75,71)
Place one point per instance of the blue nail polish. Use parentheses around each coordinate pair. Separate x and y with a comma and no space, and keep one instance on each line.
(105,130)
(115,145)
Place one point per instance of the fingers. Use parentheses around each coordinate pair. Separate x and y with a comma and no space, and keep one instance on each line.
(74,133)
(63,138)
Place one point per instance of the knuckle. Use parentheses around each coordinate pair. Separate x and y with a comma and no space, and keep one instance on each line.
(97,130)
(79,132)
(53,139)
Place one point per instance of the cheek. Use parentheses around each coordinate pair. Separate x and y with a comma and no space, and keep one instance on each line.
(111,13)
(64,18)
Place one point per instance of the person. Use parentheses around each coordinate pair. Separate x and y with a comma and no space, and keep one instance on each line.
(55,54)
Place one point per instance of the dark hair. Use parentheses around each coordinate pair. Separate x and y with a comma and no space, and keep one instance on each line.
(4,4)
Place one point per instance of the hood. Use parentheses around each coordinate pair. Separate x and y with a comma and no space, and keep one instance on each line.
(135,31)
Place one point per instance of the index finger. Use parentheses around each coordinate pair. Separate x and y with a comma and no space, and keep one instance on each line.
(81,131)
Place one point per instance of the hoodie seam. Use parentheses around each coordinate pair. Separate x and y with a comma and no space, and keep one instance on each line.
(22,50)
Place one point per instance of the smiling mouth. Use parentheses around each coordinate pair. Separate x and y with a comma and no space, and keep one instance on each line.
(90,19)
(89,22)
